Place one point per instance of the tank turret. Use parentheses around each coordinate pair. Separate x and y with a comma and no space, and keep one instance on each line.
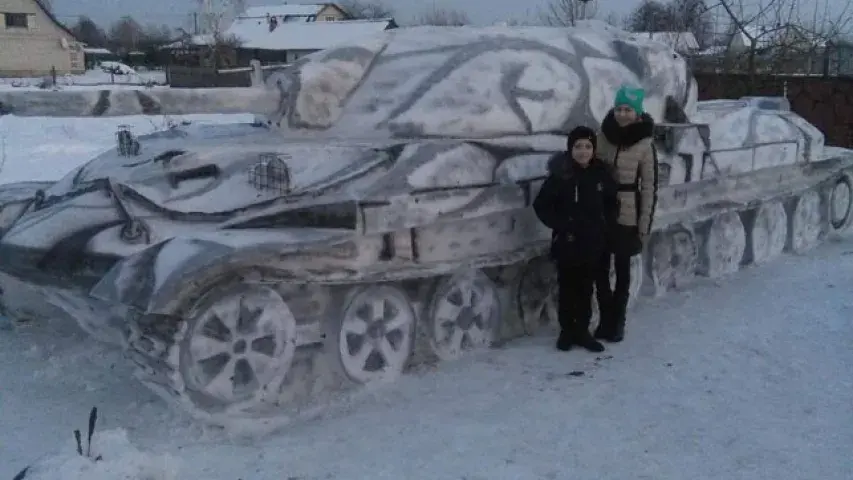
(472,83)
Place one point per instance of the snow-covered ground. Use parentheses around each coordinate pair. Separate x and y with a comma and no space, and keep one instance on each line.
(747,378)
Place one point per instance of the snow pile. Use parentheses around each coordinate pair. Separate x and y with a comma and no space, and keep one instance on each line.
(126,77)
(112,457)
(117,68)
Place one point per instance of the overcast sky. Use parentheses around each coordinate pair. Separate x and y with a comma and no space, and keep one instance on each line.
(176,13)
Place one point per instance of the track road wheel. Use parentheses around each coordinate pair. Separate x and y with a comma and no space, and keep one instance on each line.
(806,224)
(769,232)
(536,297)
(376,334)
(238,347)
(841,204)
(463,314)
(724,246)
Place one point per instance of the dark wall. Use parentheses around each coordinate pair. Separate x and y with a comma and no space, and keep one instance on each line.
(205,77)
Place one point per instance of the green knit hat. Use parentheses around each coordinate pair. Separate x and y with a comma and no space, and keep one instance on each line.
(633,97)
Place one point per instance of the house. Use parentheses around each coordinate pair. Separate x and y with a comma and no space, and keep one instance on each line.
(681,42)
(277,34)
(33,42)
(838,58)
(783,48)
(287,42)
(765,39)
(292,13)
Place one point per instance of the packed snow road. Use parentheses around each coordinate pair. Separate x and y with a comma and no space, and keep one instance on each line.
(747,378)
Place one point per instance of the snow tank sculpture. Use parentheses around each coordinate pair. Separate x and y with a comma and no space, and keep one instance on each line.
(379,216)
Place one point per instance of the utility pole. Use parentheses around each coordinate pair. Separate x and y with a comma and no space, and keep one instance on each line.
(195,23)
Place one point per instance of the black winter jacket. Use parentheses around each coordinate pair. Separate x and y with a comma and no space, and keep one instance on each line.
(579,205)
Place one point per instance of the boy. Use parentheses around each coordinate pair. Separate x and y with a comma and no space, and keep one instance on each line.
(578,202)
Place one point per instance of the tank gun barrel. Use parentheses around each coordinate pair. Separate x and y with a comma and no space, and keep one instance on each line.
(117,103)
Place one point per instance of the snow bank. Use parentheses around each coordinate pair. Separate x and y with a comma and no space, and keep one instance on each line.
(48,148)
(119,459)
(126,78)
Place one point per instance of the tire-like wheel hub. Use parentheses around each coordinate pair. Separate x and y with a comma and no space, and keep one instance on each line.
(537,296)
(840,204)
(240,344)
(464,312)
(806,222)
(376,334)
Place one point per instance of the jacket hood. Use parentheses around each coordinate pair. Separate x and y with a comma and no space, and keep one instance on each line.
(630,134)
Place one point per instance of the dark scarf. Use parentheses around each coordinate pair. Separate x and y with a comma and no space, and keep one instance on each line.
(629,134)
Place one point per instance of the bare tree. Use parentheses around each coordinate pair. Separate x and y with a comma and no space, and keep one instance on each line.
(694,16)
(614,19)
(564,13)
(88,32)
(678,16)
(358,9)
(125,35)
(156,35)
(443,17)
(781,35)
(214,17)
(651,16)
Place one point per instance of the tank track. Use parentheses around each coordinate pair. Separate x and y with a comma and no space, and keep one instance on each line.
(506,303)
(318,373)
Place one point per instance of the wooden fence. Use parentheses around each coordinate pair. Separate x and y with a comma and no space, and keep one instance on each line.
(210,77)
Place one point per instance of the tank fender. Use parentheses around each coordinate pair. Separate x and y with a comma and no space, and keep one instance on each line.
(148,281)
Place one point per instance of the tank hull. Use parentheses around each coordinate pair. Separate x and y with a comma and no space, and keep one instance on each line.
(322,280)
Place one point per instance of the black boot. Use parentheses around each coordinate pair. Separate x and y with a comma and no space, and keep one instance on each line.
(606,327)
(584,339)
(564,341)
(617,333)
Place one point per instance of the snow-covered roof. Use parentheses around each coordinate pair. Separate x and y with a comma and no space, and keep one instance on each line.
(97,51)
(255,33)
(679,41)
(284,9)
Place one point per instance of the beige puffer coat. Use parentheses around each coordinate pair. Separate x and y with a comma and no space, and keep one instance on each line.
(630,153)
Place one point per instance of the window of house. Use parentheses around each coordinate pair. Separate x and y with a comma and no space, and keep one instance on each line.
(16,20)
(330,18)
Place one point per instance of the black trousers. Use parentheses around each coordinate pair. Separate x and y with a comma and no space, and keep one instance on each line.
(575,295)
(612,303)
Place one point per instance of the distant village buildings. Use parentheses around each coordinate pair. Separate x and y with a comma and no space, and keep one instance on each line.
(278,34)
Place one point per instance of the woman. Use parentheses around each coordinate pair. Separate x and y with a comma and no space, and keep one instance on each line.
(577,201)
(626,146)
